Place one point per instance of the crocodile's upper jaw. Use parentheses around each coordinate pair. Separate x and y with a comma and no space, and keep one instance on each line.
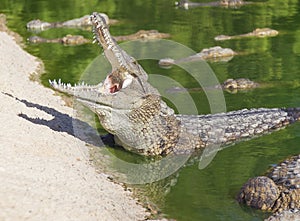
(117,57)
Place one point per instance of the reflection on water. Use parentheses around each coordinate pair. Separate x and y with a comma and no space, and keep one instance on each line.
(191,193)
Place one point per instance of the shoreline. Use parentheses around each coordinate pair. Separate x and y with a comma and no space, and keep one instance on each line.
(45,170)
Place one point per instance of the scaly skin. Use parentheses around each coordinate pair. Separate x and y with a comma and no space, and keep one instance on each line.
(132,110)
(146,125)
(278,192)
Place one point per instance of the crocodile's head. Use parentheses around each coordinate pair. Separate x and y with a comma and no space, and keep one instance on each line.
(38,25)
(126,104)
(140,121)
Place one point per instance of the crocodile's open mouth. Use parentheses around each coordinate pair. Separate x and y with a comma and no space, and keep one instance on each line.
(124,69)
(111,86)
(115,82)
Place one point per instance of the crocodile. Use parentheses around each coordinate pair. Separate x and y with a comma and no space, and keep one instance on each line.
(230,85)
(259,32)
(82,22)
(132,110)
(277,192)
(186,4)
(143,123)
(79,39)
(215,53)
(66,40)
(143,34)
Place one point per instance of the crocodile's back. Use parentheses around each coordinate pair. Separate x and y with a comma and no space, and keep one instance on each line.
(225,128)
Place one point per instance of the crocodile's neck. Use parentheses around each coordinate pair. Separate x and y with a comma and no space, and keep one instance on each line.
(131,109)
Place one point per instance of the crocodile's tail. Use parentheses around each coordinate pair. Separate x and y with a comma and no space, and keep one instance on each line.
(217,131)
(230,127)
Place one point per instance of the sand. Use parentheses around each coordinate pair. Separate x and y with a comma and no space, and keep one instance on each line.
(45,173)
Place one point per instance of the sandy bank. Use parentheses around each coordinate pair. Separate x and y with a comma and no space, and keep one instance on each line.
(44,171)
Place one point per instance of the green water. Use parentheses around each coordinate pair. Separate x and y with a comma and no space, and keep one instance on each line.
(207,194)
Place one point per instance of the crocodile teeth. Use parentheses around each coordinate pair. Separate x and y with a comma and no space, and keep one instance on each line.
(94,41)
(52,83)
